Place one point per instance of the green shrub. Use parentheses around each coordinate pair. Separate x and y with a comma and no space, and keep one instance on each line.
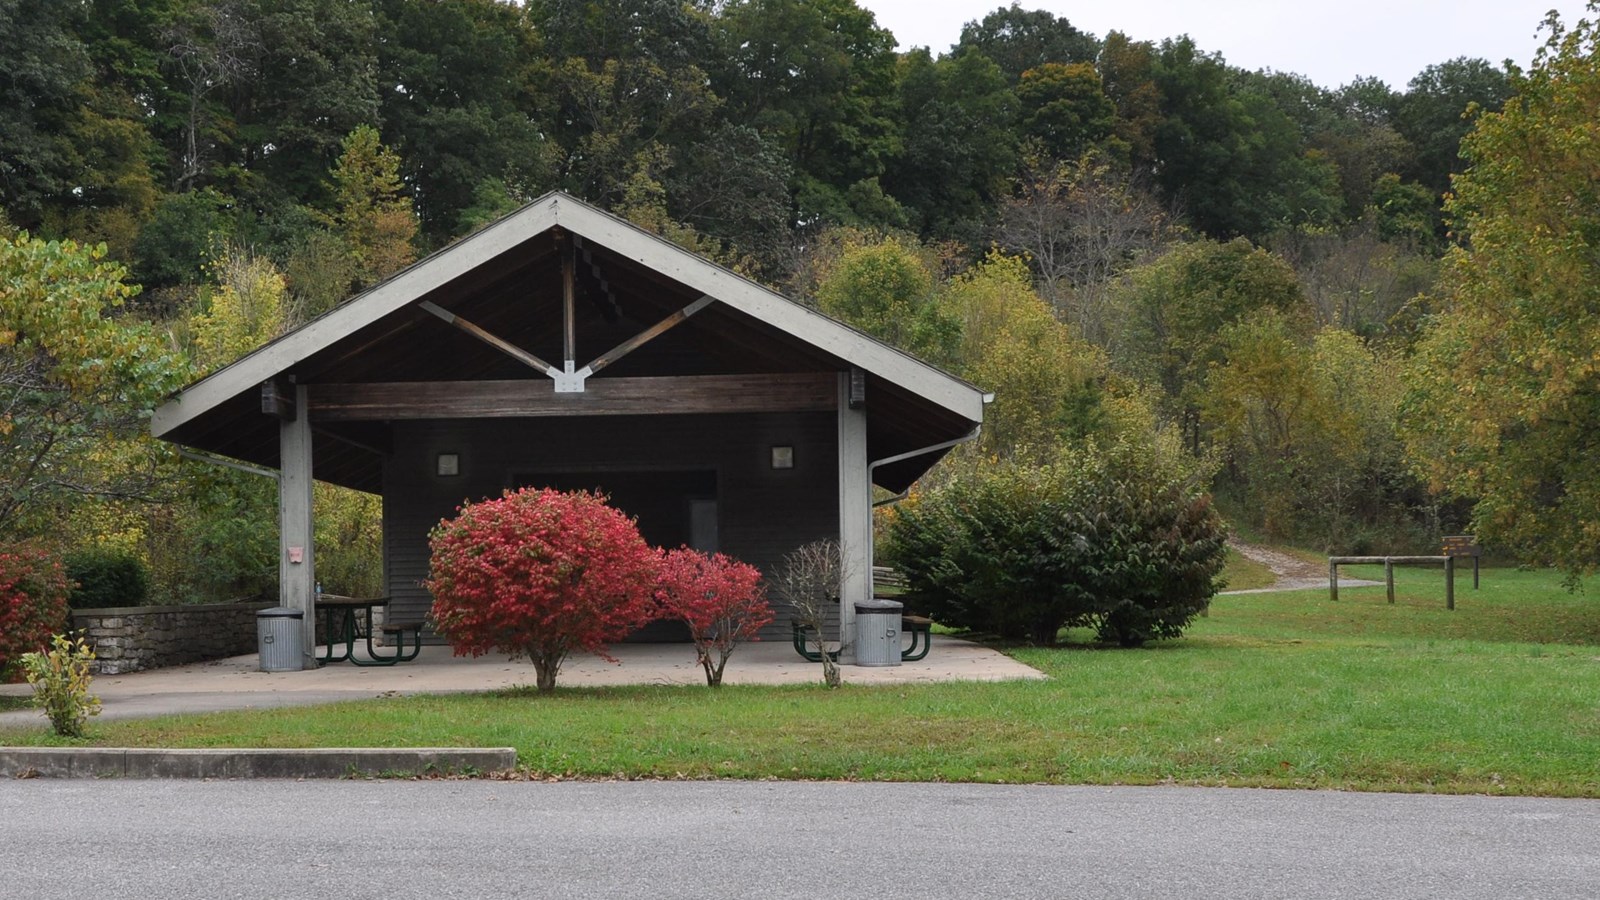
(105,578)
(33,604)
(1159,549)
(1119,539)
(986,553)
(60,680)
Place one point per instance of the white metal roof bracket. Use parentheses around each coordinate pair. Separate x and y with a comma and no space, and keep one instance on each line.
(570,382)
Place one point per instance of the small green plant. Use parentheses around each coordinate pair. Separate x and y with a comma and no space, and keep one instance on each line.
(60,679)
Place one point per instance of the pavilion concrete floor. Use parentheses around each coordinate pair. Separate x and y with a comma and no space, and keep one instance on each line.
(236,684)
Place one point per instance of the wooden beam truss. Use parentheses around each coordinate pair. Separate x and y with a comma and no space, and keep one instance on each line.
(566,377)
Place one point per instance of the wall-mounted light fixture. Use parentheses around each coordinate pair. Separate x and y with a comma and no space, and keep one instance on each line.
(783,457)
(449,464)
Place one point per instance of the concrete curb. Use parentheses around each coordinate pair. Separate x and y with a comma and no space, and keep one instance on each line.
(333,762)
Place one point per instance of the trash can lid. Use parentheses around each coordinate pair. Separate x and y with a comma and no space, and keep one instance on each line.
(880,607)
(281,612)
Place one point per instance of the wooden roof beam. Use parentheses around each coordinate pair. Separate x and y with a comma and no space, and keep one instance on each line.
(679,395)
(504,346)
(644,337)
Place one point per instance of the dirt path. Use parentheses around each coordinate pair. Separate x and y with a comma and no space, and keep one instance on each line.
(1293,573)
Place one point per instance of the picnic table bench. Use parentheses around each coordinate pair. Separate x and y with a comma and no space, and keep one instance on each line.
(343,626)
(919,627)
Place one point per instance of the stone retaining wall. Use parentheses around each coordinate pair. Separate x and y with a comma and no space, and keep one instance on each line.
(131,638)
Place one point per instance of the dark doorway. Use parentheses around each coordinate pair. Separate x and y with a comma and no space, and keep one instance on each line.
(673,509)
(664,503)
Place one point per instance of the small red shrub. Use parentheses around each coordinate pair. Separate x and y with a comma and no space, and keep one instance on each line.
(540,573)
(33,605)
(721,600)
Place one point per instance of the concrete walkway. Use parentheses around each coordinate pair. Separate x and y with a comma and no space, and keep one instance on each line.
(236,684)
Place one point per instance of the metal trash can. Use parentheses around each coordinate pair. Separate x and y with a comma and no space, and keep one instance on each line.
(278,632)
(878,632)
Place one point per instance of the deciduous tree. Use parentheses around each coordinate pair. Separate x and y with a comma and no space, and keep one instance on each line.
(1174,310)
(1064,108)
(41,68)
(460,101)
(887,290)
(1505,387)
(71,373)
(1436,113)
(1020,39)
(1081,224)
(1049,384)
(373,212)
(819,77)
(960,144)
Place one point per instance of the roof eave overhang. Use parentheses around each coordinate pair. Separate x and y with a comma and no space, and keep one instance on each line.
(558,210)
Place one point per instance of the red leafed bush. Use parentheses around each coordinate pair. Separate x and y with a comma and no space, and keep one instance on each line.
(33,605)
(540,573)
(721,600)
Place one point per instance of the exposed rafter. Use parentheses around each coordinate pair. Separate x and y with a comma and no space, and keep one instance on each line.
(567,379)
(644,337)
(504,346)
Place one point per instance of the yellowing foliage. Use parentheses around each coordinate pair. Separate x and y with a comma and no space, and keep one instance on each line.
(246,311)
(1504,402)
(374,213)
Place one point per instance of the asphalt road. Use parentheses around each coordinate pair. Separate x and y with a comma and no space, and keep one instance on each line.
(267,839)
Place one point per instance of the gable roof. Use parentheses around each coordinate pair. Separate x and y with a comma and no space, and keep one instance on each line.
(360,323)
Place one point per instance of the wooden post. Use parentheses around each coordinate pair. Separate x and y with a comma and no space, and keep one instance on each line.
(569,312)
(1333,579)
(1475,573)
(297,572)
(1388,577)
(1449,582)
(855,517)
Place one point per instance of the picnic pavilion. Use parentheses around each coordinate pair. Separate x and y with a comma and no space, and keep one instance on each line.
(564,347)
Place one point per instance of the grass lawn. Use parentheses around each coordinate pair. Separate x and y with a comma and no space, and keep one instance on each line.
(1278,690)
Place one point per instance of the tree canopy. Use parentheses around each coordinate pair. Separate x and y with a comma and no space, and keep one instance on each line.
(1505,386)
(1128,241)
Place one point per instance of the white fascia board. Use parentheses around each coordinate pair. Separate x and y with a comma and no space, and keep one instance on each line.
(786,315)
(382,300)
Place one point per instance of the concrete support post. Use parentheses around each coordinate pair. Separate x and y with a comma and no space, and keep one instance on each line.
(855,517)
(297,572)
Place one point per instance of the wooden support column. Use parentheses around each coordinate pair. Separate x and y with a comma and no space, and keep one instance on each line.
(855,516)
(297,572)
(569,312)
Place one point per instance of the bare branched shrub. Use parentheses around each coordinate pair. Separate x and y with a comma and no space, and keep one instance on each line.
(810,580)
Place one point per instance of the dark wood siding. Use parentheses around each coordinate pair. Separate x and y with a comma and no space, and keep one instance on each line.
(763,513)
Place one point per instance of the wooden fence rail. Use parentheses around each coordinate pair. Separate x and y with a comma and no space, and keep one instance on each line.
(1388,563)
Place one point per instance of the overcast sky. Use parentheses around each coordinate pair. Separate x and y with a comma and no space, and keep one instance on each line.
(1329,42)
